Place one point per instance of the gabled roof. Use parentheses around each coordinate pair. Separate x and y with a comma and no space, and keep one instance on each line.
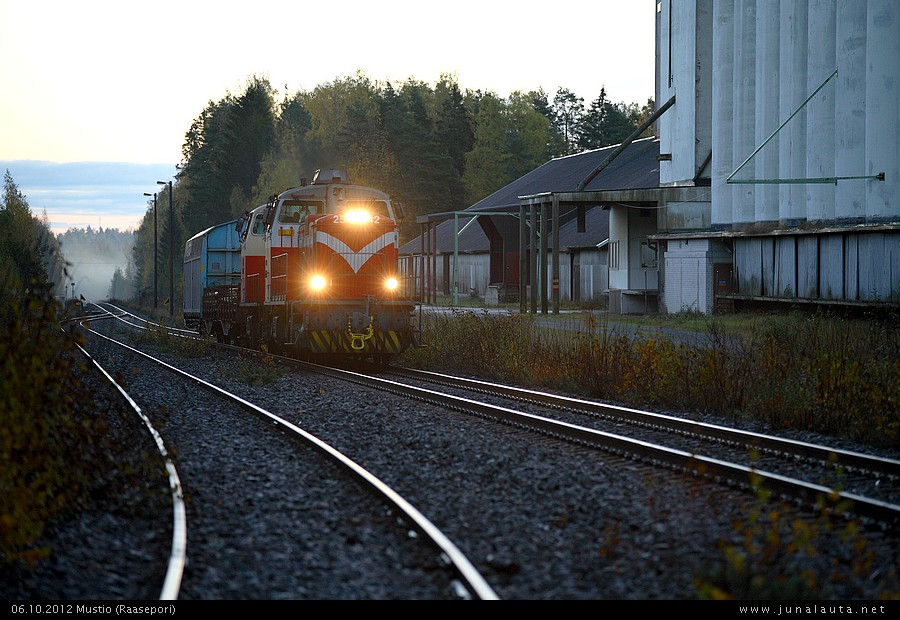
(637,167)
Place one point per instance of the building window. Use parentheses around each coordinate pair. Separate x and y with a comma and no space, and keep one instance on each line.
(613,254)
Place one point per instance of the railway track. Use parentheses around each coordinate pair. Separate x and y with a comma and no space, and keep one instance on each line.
(508,562)
(819,476)
(797,469)
(467,583)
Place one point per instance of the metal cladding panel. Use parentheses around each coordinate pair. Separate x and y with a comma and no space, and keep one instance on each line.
(830,70)
(767,265)
(747,267)
(879,267)
(834,267)
(831,268)
(807,267)
(852,261)
(785,267)
(212,257)
(193,288)
(222,255)
(356,258)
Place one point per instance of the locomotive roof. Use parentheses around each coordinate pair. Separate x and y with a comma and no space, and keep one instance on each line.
(319,190)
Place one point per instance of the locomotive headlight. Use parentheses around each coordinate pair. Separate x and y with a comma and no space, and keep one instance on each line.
(317,283)
(357,216)
(391,284)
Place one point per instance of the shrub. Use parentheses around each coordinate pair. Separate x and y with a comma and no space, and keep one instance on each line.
(807,372)
(42,444)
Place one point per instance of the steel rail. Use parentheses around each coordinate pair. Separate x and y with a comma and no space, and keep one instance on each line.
(716,469)
(472,579)
(827,454)
(178,553)
(787,487)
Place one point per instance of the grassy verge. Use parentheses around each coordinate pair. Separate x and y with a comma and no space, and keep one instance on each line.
(800,371)
(810,372)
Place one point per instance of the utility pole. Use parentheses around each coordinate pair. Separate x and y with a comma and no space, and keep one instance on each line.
(155,252)
(171,249)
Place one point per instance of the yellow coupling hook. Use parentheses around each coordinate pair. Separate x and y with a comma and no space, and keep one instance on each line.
(358,341)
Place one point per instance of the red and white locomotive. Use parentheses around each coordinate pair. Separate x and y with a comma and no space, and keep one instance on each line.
(318,274)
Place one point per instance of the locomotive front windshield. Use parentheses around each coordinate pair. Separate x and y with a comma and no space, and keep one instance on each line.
(296,211)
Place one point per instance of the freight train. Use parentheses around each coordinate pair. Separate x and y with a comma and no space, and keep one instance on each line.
(313,273)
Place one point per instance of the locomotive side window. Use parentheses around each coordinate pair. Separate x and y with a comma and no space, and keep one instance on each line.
(259,225)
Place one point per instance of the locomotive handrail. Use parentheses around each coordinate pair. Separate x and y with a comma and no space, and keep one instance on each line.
(253,286)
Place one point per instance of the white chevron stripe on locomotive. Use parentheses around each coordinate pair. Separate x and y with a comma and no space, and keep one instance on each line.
(355,259)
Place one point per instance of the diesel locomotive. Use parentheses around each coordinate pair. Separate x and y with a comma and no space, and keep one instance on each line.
(313,273)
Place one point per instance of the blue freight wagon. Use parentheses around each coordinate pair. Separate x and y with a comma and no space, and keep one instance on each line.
(211,258)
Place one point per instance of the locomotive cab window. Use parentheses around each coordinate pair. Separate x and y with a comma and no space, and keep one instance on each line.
(296,211)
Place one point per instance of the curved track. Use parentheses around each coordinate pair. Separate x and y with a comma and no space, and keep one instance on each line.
(178,555)
(471,579)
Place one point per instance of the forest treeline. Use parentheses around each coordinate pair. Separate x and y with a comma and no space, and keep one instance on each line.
(55,453)
(37,264)
(432,148)
(31,263)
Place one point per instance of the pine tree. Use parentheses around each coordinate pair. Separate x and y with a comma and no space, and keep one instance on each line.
(21,251)
(607,123)
(568,110)
(591,135)
(556,145)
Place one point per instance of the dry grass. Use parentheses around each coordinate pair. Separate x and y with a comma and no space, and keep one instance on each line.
(800,371)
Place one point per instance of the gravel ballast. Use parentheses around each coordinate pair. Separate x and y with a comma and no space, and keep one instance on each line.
(540,519)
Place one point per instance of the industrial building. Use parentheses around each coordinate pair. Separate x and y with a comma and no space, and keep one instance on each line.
(787,111)
(777,167)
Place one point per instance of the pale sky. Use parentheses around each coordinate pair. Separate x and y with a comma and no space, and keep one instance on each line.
(118,81)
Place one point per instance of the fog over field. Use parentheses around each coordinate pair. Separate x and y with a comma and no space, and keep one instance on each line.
(92,259)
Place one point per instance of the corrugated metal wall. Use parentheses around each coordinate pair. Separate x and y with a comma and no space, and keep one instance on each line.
(845,266)
(770,56)
(813,85)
